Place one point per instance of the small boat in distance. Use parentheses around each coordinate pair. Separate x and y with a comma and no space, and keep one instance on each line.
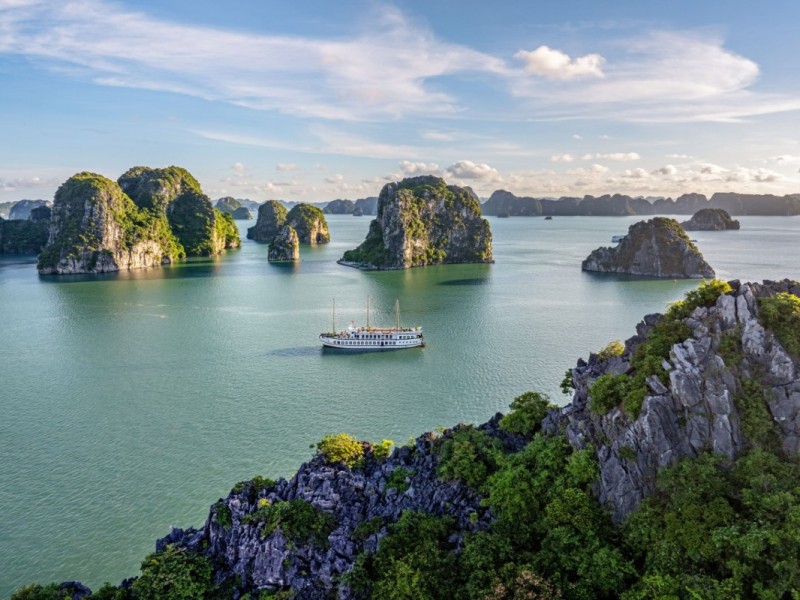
(373,338)
(616,239)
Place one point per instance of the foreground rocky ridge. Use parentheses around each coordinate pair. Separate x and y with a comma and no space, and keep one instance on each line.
(654,248)
(697,410)
(423,221)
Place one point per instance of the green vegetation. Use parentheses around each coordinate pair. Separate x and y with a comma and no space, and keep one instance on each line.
(226,230)
(781,315)
(372,251)
(174,574)
(629,390)
(299,521)
(224,517)
(756,422)
(227,205)
(156,189)
(382,450)
(193,220)
(615,348)
(567,386)
(367,528)
(469,455)
(23,237)
(40,592)
(527,412)
(397,479)
(254,485)
(341,448)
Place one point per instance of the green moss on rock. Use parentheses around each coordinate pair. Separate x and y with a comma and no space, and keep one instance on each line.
(22,237)
(271,218)
(309,223)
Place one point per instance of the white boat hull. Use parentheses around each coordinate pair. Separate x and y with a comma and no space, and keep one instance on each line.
(350,343)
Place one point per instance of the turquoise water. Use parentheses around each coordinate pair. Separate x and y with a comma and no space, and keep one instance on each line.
(130,403)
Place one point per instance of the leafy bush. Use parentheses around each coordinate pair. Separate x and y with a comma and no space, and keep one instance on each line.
(781,315)
(527,412)
(383,450)
(223,514)
(41,592)
(705,294)
(607,392)
(341,448)
(470,456)
(567,386)
(367,528)
(397,479)
(174,574)
(614,348)
(755,419)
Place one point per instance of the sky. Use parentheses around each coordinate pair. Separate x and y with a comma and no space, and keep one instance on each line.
(316,100)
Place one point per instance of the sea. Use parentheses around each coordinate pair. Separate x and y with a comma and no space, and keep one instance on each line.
(130,403)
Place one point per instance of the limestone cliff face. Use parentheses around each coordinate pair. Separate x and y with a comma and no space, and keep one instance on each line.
(285,246)
(242,214)
(700,409)
(22,209)
(271,217)
(654,248)
(149,218)
(310,224)
(339,207)
(423,221)
(710,219)
(228,204)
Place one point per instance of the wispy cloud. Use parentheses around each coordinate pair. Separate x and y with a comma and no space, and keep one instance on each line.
(380,72)
(555,64)
(623,156)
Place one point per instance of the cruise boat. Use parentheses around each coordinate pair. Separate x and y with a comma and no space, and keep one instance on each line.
(373,338)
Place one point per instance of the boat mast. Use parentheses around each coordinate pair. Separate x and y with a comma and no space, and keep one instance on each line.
(397,310)
(368,312)
(333,315)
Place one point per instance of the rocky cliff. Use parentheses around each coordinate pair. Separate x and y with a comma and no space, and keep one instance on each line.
(23,237)
(367,206)
(150,217)
(654,248)
(271,217)
(285,246)
(242,214)
(339,207)
(423,221)
(228,204)
(710,219)
(725,383)
(309,223)
(22,210)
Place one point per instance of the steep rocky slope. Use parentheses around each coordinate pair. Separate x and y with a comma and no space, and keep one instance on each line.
(309,223)
(423,221)
(271,217)
(285,246)
(654,248)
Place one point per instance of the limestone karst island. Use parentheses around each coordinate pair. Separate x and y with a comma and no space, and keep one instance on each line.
(399,301)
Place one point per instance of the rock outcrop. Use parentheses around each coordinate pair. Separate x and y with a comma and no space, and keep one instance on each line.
(22,209)
(242,214)
(339,207)
(367,206)
(228,204)
(710,219)
(423,221)
(310,224)
(148,218)
(654,248)
(285,246)
(23,237)
(271,217)
(701,406)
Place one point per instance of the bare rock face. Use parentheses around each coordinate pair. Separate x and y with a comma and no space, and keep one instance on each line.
(423,221)
(22,209)
(710,219)
(654,248)
(310,224)
(285,246)
(242,214)
(271,217)
(700,408)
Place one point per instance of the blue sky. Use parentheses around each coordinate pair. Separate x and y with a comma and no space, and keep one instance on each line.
(321,100)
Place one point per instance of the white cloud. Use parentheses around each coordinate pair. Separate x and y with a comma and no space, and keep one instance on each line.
(418,168)
(286,167)
(335,179)
(666,170)
(466,169)
(684,156)
(577,136)
(621,156)
(598,169)
(562,158)
(638,173)
(437,136)
(555,64)
(239,170)
(380,71)
(785,159)
(22,183)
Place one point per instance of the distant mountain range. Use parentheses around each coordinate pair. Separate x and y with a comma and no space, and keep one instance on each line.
(503,203)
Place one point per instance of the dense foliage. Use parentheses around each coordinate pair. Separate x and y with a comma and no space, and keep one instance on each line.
(781,315)
(23,237)
(299,521)
(527,412)
(469,455)
(310,224)
(341,448)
